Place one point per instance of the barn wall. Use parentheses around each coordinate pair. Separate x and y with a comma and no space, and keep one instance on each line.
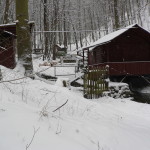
(129,68)
(133,47)
(129,53)
(91,59)
(98,55)
(11,28)
(127,47)
(7,57)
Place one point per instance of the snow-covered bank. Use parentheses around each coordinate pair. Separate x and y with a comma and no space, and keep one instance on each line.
(103,124)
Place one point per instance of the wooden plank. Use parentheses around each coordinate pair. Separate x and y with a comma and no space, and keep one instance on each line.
(96,82)
(88,83)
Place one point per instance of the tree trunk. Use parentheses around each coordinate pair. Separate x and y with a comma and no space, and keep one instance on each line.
(116,15)
(85,26)
(45,29)
(6,19)
(23,36)
(92,25)
(79,22)
(64,23)
(139,15)
(55,2)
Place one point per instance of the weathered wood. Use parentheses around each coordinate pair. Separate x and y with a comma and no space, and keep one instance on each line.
(94,81)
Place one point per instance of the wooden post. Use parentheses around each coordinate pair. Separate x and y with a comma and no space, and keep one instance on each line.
(0,75)
(55,71)
(75,71)
(83,57)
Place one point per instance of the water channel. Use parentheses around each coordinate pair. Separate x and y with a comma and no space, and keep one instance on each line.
(140,88)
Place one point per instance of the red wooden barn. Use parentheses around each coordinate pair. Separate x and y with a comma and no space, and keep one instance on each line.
(126,51)
(8,44)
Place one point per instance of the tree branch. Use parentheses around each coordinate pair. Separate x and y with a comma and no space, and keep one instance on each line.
(60,106)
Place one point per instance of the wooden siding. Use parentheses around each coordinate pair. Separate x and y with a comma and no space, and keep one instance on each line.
(128,68)
(95,81)
(7,55)
(9,28)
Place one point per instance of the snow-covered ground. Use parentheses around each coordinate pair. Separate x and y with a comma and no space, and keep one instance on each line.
(28,120)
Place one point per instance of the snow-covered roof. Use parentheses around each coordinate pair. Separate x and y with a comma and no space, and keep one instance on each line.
(6,25)
(14,23)
(109,37)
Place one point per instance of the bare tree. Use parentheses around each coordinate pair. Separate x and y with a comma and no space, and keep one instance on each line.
(116,15)
(46,28)
(6,19)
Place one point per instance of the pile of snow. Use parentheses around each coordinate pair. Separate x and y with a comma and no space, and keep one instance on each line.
(119,90)
(29,118)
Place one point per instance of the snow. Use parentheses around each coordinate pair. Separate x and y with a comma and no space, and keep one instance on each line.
(145,90)
(14,23)
(100,124)
(9,24)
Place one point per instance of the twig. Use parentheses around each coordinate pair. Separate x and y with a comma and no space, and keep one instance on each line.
(35,131)
(60,106)
(44,111)
(9,89)
(49,91)
(98,145)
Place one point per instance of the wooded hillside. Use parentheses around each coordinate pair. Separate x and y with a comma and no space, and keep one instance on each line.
(92,18)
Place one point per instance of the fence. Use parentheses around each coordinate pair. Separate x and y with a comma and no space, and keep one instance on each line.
(65,70)
(95,81)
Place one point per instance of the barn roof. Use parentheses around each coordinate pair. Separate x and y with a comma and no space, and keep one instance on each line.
(109,37)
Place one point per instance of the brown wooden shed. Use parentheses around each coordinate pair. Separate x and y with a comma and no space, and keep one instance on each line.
(126,51)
